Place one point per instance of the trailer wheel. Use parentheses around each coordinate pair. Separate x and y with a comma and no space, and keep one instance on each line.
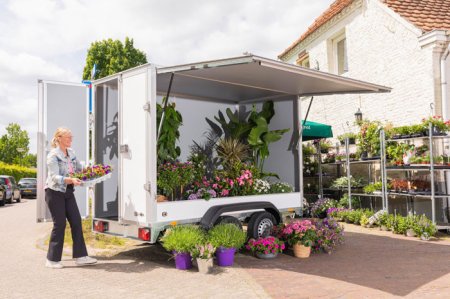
(229,219)
(260,225)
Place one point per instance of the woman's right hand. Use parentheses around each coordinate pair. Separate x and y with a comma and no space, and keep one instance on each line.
(72,181)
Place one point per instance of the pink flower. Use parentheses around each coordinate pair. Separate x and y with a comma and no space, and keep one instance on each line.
(224,192)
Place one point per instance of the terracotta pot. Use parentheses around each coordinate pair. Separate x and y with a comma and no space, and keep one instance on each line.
(301,251)
(161,198)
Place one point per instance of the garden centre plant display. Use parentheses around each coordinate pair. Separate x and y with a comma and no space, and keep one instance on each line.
(229,163)
(421,226)
(330,235)
(351,138)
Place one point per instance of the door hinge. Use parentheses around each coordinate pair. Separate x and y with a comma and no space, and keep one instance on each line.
(124,148)
(146,107)
(148,187)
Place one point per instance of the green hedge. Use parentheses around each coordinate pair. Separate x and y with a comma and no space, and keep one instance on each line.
(17,171)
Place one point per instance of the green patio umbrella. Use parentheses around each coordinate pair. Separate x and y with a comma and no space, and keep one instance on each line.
(313,130)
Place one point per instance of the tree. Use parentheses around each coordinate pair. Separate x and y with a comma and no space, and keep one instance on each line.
(14,144)
(111,56)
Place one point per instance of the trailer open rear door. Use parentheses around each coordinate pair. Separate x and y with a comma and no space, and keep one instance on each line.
(61,105)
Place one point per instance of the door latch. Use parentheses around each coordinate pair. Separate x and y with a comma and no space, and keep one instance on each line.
(124,148)
(146,107)
(148,187)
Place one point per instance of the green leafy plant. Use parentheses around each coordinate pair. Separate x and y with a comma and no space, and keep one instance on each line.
(202,156)
(227,235)
(168,151)
(174,177)
(183,238)
(231,151)
(369,137)
(351,136)
(437,122)
(342,182)
(371,188)
(343,202)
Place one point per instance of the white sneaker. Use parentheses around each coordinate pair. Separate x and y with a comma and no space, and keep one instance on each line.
(53,265)
(85,260)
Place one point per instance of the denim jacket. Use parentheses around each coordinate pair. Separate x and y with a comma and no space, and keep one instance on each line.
(58,168)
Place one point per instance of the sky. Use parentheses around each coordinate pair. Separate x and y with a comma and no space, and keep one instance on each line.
(48,39)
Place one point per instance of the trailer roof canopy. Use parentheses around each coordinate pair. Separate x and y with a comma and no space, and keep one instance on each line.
(251,78)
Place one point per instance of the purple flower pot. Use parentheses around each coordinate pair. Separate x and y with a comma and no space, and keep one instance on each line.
(225,256)
(182,260)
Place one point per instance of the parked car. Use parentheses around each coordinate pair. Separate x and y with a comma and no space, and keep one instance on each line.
(12,191)
(27,187)
(2,192)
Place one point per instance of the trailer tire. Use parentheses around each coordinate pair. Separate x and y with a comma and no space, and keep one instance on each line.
(260,225)
(229,219)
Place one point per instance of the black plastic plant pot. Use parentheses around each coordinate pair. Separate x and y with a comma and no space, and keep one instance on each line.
(342,142)
(396,136)
(324,151)
(406,136)
(351,141)
(363,155)
(417,135)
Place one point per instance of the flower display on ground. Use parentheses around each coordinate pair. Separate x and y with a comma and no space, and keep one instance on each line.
(266,245)
(330,234)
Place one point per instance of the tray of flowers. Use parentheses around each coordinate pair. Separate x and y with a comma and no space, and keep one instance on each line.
(93,174)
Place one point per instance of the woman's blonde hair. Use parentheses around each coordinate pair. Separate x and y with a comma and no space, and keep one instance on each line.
(61,131)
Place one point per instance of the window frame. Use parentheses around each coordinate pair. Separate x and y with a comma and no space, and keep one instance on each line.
(335,53)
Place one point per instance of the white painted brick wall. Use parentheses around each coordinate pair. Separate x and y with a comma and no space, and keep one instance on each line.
(380,50)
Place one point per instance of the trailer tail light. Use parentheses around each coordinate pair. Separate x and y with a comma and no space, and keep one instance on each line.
(144,234)
(100,226)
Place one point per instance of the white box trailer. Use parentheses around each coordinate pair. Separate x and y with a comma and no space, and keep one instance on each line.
(124,134)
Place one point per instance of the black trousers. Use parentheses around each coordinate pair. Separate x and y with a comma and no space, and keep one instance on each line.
(62,206)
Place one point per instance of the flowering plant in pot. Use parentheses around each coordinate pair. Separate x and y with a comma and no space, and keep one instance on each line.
(204,253)
(265,248)
(174,177)
(227,238)
(439,126)
(320,207)
(329,235)
(301,235)
(181,241)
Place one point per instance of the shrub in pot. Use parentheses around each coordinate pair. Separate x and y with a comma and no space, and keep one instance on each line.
(181,241)
(227,238)
(204,253)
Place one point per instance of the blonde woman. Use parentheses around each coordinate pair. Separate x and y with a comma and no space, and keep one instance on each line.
(59,189)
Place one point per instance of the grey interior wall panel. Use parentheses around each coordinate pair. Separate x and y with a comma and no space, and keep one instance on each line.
(106,147)
(67,107)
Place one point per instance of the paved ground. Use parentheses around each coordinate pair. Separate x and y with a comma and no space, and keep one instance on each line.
(372,264)
(142,272)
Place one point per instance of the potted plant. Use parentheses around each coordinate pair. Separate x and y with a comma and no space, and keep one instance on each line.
(301,235)
(330,158)
(438,125)
(203,254)
(329,235)
(227,238)
(181,241)
(351,138)
(265,248)
(320,207)
(382,221)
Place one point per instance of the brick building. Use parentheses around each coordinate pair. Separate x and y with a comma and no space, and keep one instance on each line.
(396,43)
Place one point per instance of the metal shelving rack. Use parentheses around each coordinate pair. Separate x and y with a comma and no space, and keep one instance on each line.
(369,161)
(431,168)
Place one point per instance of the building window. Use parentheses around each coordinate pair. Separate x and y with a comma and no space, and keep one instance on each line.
(340,54)
(303,59)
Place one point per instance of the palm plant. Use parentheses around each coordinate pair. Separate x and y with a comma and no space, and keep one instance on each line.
(232,151)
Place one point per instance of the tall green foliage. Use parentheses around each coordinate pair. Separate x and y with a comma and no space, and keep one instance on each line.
(14,145)
(251,128)
(111,56)
(168,150)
